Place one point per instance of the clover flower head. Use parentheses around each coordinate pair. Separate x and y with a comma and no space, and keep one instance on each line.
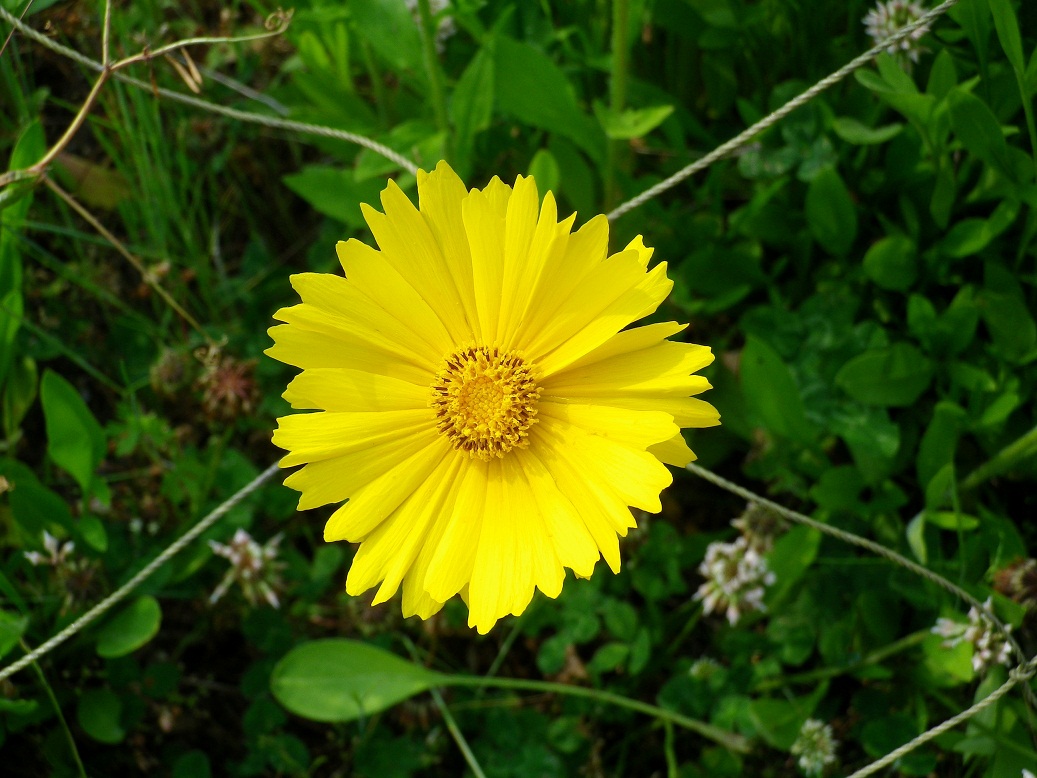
(255,568)
(888,18)
(57,555)
(760,526)
(737,578)
(815,746)
(989,644)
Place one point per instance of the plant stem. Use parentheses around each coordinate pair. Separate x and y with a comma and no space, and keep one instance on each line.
(617,93)
(730,740)
(458,736)
(57,709)
(435,77)
(825,673)
(1016,451)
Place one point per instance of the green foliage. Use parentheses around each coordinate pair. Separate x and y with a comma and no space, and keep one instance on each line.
(864,272)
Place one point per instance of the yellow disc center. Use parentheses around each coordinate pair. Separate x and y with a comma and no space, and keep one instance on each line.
(485,401)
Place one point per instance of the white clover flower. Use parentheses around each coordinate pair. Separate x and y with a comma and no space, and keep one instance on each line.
(57,552)
(888,18)
(254,567)
(1028,774)
(815,747)
(989,645)
(737,578)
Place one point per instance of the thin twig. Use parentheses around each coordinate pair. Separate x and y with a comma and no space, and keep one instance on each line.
(127,588)
(768,121)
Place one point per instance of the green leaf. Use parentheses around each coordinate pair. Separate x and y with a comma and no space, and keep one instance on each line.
(952,521)
(940,440)
(544,170)
(792,555)
(771,392)
(896,375)
(471,105)
(970,236)
(534,90)
(853,131)
(11,629)
(891,263)
(335,192)
(92,530)
(1007,27)
(631,123)
(831,215)
(608,658)
(943,76)
(336,680)
(916,538)
(75,440)
(131,628)
(979,131)
(19,393)
(390,29)
(1002,305)
(99,712)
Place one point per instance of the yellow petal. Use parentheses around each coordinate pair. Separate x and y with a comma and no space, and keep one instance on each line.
(311,437)
(440,194)
(300,347)
(370,504)
(635,428)
(342,389)
(674,451)
(450,567)
(484,227)
(389,553)
(409,247)
(365,269)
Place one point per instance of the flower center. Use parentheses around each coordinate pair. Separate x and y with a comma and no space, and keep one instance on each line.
(485,401)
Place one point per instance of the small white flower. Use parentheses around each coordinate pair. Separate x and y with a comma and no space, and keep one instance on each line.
(888,18)
(989,645)
(815,747)
(1028,774)
(444,28)
(737,578)
(57,552)
(254,567)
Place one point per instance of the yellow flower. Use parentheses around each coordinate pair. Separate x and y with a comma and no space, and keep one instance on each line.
(480,404)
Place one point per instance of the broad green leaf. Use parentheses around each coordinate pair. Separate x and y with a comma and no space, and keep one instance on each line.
(853,131)
(940,440)
(945,191)
(891,263)
(11,629)
(951,521)
(1007,27)
(336,680)
(534,90)
(979,131)
(943,76)
(974,18)
(631,123)
(471,104)
(792,555)
(871,436)
(1003,306)
(130,628)
(93,532)
(335,192)
(544,170)
(831,214)
(99,712)
(895,375)
(391,30)
(75,441)
(916,538)
(771,392)
(19,393)
(970,236)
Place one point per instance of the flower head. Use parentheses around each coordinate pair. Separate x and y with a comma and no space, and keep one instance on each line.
(255,568)
(989,645)
(57,552)
(815,746)
(890,17)
(480,404)
(737,578)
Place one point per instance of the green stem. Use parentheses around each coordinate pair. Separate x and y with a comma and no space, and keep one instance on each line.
(1016,451)
(617,93)
(57,709)
(826,673)
(381,97)
(435,76)
(730,740)
(458,736)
